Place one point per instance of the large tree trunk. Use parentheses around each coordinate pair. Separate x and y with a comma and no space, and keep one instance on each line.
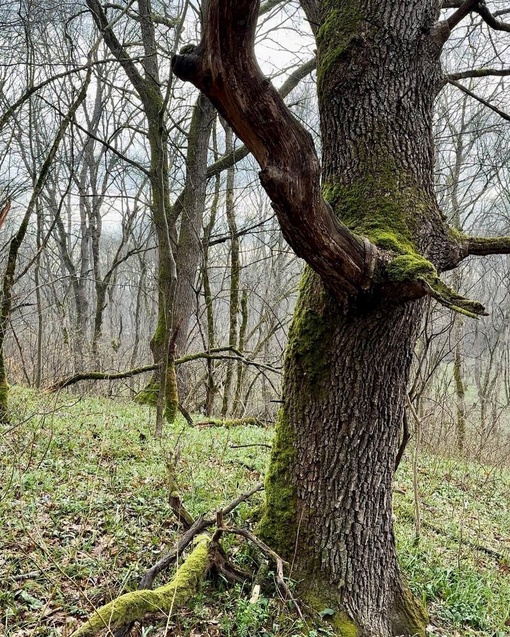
(329,486)
(347,364)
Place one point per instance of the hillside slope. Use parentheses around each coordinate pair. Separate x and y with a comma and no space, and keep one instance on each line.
(84,512)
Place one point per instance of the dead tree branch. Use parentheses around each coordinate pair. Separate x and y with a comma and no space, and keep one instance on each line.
(135,605)
(199,525)
(224,67)
(213,354)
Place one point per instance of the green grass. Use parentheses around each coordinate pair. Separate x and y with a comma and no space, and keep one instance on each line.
(84,512)
(461,564)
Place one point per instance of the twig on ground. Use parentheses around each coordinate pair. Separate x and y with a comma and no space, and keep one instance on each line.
(268,552)
(259,444)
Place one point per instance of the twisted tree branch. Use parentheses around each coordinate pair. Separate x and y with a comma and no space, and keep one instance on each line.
(224,67)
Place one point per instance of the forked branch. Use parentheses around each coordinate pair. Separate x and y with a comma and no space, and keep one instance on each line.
(224,67)
(491,19)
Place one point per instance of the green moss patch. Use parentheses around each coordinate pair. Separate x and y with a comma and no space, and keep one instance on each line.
(380,207)
(335,35)
(309,335)
(278,524)
(135,605)
(410,266)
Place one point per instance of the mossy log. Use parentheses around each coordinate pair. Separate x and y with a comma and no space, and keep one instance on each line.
(134,606)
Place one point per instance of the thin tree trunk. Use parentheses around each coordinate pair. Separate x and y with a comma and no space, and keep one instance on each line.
(38,300)
(8,278)
(240,369)
(190,207)
(460,423)
(211,386)
(235,272)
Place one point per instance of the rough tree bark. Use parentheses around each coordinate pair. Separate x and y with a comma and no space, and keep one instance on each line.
(375,241)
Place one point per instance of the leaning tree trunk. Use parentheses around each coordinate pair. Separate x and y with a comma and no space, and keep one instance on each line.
(375,242)
(329,487)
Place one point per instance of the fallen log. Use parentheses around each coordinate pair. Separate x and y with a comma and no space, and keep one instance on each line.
(247,421)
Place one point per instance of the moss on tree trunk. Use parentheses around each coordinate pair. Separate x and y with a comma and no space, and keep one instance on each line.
(329,483)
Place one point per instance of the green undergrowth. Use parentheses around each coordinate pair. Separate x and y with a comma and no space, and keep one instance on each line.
(460,565)
(84,512)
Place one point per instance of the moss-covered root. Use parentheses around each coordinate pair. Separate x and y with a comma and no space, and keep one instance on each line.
(134,606)
(409,615)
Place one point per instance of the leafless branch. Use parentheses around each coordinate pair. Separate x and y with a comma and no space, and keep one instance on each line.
(483,101)
(491,20)
(287,87)
(483,246)
(201,523)
(459,15)
(463,75)
(5,211)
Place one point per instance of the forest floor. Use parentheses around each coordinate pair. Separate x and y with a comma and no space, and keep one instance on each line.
(84,512)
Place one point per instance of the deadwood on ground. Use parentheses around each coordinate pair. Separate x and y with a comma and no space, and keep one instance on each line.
(118,615)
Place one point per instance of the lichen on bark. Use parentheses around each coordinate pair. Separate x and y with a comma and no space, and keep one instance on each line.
(149,394)
(308,340)
(321,598)
(172,395)
(307,348)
